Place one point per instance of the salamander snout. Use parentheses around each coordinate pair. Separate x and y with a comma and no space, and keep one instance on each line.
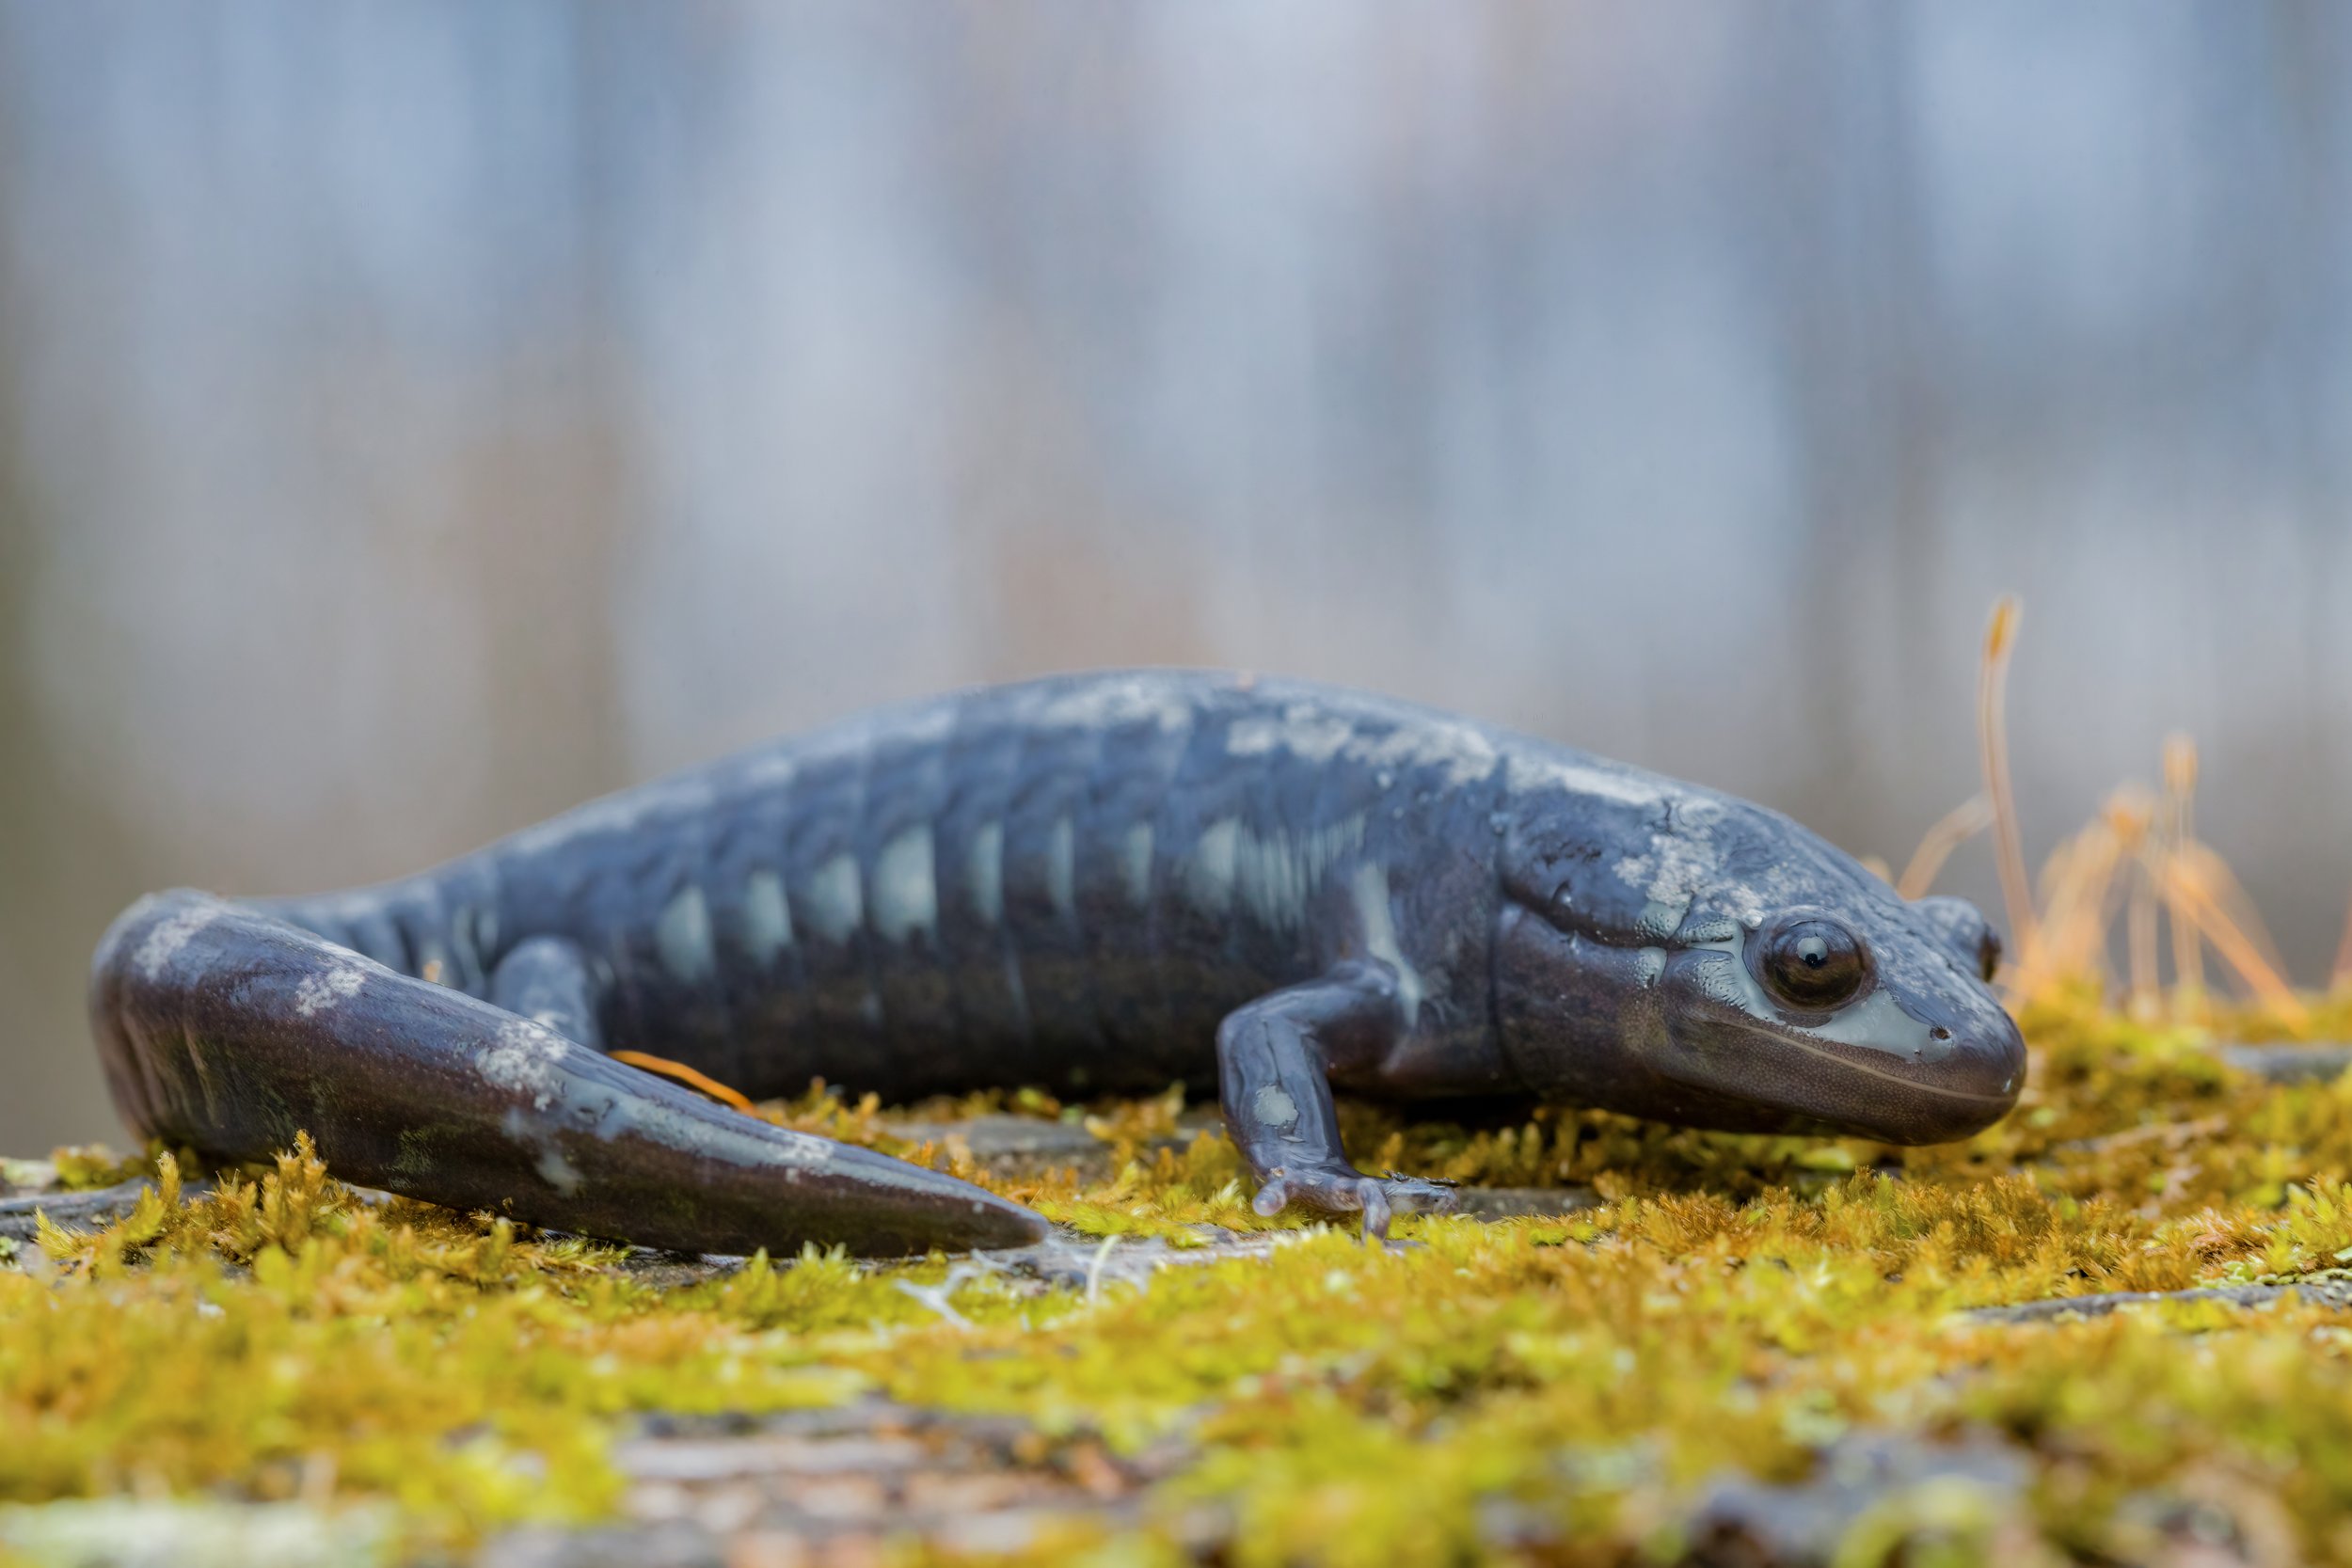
(1884,1028)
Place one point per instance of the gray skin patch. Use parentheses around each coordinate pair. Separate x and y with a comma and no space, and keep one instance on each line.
(1303,729)
(1370,894)
(1274,876)
(836,901)
(1465,753)
(682,936)
(906,893)
(767,916)
(1274,1106)
(1530,770)
(173,933)
(329,989)
(1278,874)
(523,1058)
(985,872)
(1135,863)
(559,1173)
(1107,702)
(1209,875)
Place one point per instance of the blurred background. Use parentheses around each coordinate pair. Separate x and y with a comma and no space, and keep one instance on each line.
(415,419)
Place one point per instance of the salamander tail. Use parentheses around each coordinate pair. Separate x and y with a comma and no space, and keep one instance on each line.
(225,1030)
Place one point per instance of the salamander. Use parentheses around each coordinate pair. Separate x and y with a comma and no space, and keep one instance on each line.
(1095,883)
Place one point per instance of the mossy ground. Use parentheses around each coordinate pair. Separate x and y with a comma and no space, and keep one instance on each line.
(1736,1305)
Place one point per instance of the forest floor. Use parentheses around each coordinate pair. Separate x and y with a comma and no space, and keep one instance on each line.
(2113,1328)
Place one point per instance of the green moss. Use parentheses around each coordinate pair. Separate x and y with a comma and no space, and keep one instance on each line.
(1736,1304)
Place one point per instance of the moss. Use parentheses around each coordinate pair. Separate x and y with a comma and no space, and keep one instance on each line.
(1736,1304)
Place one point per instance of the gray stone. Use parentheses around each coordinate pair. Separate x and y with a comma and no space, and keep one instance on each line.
(2334,1293)
(2290,1064)
(1743,1523)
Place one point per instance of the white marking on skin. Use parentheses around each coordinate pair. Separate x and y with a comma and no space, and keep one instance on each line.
(1683,867)
(1102,702)
(1268,876)
(1460,749)
(1274,1106)
(524,1058)
(1534,771)
(558,1172)
(323,992)
(1670,878)
(1302,729)
(906,890)
(1370,889)
(1209,876)
(768,770)
(766,917)
(986,872)
(174,932)
(1276,876)
(1136,858)
(682,936)
(1062,867)
(836,904)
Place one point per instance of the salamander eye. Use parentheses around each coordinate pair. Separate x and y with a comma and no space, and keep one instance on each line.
(1988,954)
(1814,964)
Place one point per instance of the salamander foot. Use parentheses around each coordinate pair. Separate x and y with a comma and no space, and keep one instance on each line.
(1345,1191)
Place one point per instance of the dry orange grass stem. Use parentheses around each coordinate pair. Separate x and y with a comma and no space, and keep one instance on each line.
(2140,857)
(678,1071)
(1954,828)
(2180,789)
(2000,640)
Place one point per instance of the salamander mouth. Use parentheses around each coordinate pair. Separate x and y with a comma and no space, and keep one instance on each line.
(1863,1087)
(1908,1084)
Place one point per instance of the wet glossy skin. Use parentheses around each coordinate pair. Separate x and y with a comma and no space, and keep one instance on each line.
(1094,883)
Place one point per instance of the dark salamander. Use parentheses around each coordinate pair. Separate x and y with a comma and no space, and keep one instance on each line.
(1095,883)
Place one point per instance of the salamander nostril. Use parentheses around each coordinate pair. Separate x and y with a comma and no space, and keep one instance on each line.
(1939,1032)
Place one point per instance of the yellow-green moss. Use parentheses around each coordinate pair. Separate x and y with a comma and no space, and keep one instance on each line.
(1733,1304)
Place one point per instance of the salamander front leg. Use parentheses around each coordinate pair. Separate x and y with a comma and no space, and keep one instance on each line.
(1274,1060)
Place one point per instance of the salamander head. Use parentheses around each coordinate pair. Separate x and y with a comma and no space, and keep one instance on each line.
(1708,961)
